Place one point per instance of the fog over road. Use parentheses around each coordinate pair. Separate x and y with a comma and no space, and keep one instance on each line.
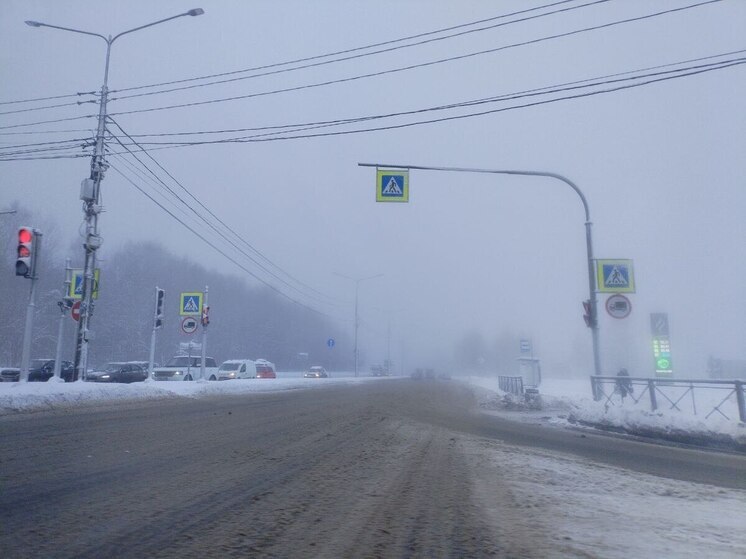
(396,468)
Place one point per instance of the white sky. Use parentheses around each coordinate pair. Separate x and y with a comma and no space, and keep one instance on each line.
(662,165)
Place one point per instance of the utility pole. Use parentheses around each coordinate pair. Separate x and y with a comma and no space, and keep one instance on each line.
(357,316)
(90,193)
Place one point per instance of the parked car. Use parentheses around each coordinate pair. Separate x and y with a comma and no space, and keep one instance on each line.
(183,367)
(265,369)
(10,374)
(41,370)
(118,372)
(315,372)
(235,368)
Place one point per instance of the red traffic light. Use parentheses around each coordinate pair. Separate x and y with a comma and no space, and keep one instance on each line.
(25,260)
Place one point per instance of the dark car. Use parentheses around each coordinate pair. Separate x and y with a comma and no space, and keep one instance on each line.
(315,372)
(119,372)
(9,374)
(41,370)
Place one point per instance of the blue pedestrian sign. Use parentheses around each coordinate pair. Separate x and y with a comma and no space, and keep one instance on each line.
(330,342)
(392,185)
(190,304)
(615,276)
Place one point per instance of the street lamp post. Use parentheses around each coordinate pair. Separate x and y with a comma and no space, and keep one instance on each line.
(90,193)
(357,321)
(588,237)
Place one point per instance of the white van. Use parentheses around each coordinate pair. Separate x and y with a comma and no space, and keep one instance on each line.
(235,368)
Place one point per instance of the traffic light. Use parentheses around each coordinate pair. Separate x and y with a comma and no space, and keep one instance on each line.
(205,315)
(587,313)
(159,295)
(26,261)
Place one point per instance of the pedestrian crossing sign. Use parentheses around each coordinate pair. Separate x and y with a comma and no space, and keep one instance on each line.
(615,276)
(190,303)
(392,185)
(76,284)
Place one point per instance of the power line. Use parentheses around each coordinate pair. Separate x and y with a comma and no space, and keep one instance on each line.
(673,74)
(7,127)
(31,109)
(214,246)
(363,55)
(346,51)
(419,65)
(236,235)
(51,98)
(28,132)
(300,60)
(508,96)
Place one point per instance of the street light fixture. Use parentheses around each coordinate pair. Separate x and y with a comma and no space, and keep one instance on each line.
(357,321)
(91,190)
(588,239)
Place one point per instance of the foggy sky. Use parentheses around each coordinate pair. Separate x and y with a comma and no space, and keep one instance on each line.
(662,166)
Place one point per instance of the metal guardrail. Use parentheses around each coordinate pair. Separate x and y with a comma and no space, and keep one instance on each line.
(513,385)
(673,391)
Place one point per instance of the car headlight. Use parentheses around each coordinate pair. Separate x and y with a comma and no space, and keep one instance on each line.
(105,376)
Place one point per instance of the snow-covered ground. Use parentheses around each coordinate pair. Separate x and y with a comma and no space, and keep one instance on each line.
(563,401)
(35,396)
(570,507)
(570,401)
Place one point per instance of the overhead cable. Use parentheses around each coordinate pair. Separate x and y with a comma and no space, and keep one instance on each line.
(214,246)
(212,226)
(419,65)
(507,96)
(362,55)
(346,51)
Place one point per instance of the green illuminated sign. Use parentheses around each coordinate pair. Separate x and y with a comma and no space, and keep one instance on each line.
(661,345)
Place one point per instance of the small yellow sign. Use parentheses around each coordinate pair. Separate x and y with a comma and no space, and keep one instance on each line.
(392,185)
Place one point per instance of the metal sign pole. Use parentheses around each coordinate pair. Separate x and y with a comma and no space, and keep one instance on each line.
(65,304)
(26,351)
(204,338)
(589,243)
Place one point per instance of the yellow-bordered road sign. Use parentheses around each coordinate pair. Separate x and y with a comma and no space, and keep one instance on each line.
(392,185)
(190,303)
(615,276)
(76,285)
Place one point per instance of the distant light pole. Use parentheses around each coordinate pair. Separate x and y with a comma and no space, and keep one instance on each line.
(357,321)
(588,239)
(90,192)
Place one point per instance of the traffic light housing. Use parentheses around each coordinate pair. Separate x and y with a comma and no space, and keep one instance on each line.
(159,296)
(26,259)
(205,315)
(588,313)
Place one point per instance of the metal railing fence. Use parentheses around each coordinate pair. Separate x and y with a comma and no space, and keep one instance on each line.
(717,396)
(513,385)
